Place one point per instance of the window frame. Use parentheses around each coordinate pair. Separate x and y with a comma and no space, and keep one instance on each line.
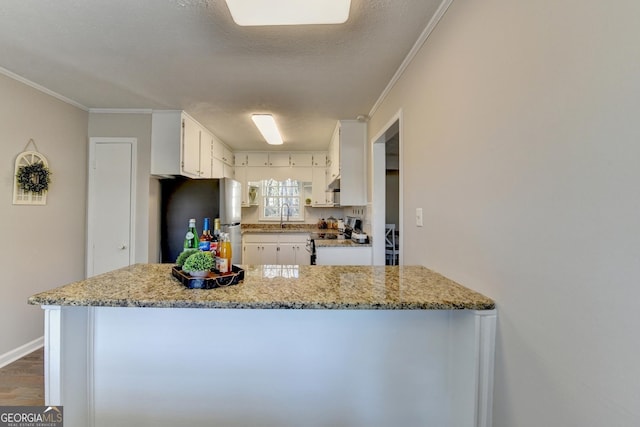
(262,201)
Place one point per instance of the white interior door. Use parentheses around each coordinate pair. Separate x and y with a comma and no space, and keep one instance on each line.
(111,204)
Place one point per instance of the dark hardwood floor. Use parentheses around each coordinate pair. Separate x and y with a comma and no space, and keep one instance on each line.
(22,382)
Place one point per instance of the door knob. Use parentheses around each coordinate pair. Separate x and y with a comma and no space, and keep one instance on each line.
(123,247)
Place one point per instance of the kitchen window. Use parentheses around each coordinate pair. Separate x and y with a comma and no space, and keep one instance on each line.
(275,194)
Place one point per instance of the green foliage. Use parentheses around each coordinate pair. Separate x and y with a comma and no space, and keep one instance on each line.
(184,255)
(34,178)
(199,261)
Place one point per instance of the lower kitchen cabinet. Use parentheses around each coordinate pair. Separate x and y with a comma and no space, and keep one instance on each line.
(259,253)
(275,248)
(341,255)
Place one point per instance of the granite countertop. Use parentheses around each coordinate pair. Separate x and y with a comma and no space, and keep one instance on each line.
(274,287)
(339,243)
(304,228)
(288,228)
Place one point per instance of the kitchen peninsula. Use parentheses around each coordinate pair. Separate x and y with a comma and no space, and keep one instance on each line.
(291,345)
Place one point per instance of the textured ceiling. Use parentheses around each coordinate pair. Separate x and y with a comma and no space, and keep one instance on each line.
(188,54)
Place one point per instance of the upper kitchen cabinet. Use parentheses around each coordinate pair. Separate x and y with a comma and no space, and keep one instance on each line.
(279,159)
(222,152)
(347,162)
(301,159)
(181,146)
(257,159)
(240,159)
(319,160)
(223,161)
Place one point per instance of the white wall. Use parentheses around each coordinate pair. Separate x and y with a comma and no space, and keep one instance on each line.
(522,145)
(42,246)
(136,125)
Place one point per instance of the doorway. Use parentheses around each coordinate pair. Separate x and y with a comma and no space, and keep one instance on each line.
(111,204)
(387,194)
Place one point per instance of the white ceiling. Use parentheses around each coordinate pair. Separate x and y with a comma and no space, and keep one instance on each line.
(189,55)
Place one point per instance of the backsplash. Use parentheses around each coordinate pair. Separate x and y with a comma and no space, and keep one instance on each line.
(250,215)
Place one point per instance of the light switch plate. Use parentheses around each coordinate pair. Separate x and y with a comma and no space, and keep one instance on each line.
(419,217)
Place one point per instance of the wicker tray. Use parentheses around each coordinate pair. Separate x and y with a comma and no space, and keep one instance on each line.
(212,280)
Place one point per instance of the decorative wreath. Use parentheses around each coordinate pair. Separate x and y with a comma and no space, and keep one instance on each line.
(34,178)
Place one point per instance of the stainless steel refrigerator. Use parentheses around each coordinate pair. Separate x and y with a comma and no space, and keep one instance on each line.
(184,198)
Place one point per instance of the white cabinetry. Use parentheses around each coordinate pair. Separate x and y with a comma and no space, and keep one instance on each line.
(291,249)
(190,147)
(240,159)
(273,249)
(257,159)
(181,146)
(319,193)
(222,163)
(341,255)
(279,159)
(347,166)
(301,159)
(259,253)
(319,160)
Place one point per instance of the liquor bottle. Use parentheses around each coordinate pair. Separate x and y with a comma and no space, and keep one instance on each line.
(205,238)
(221,260)
(216,228)
(214,247)
(228,253)
(191,238)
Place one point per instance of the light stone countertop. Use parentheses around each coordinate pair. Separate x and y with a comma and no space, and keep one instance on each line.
(303,228)
(288,228)
(274,287)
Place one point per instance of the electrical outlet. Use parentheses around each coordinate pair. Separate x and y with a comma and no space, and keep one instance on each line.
(419,217)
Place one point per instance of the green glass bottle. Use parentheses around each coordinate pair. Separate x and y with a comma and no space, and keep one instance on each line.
(191,240)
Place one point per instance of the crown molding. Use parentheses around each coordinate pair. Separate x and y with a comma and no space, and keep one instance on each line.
(431,25)
(121,110)
(42,89)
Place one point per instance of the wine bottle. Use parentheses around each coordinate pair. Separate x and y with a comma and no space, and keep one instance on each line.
(205,238)
(191,238)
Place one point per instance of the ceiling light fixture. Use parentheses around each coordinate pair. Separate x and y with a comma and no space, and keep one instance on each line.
(267,127)
(288,12)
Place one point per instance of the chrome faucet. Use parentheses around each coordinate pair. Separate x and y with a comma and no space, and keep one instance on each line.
(288,212)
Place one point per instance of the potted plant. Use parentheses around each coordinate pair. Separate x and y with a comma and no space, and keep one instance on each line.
(198,264)
(307,201)
(184,255)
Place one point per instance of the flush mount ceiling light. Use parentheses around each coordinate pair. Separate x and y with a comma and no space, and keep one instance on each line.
(289,12)
(267,127)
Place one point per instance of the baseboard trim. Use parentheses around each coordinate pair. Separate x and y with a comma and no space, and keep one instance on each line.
(23,350)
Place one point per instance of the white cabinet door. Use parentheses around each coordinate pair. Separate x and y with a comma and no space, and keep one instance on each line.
(302,256)
(301,159)
(320,160)
(334,155)
(240,159)
(218,149)
(228,171)
(206,141)
(257,159)
(318,187)
(287,253)
(279,159)
(217,168)
(241,177)
(227,156)
(252,254)
(269,254)
(190,147)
